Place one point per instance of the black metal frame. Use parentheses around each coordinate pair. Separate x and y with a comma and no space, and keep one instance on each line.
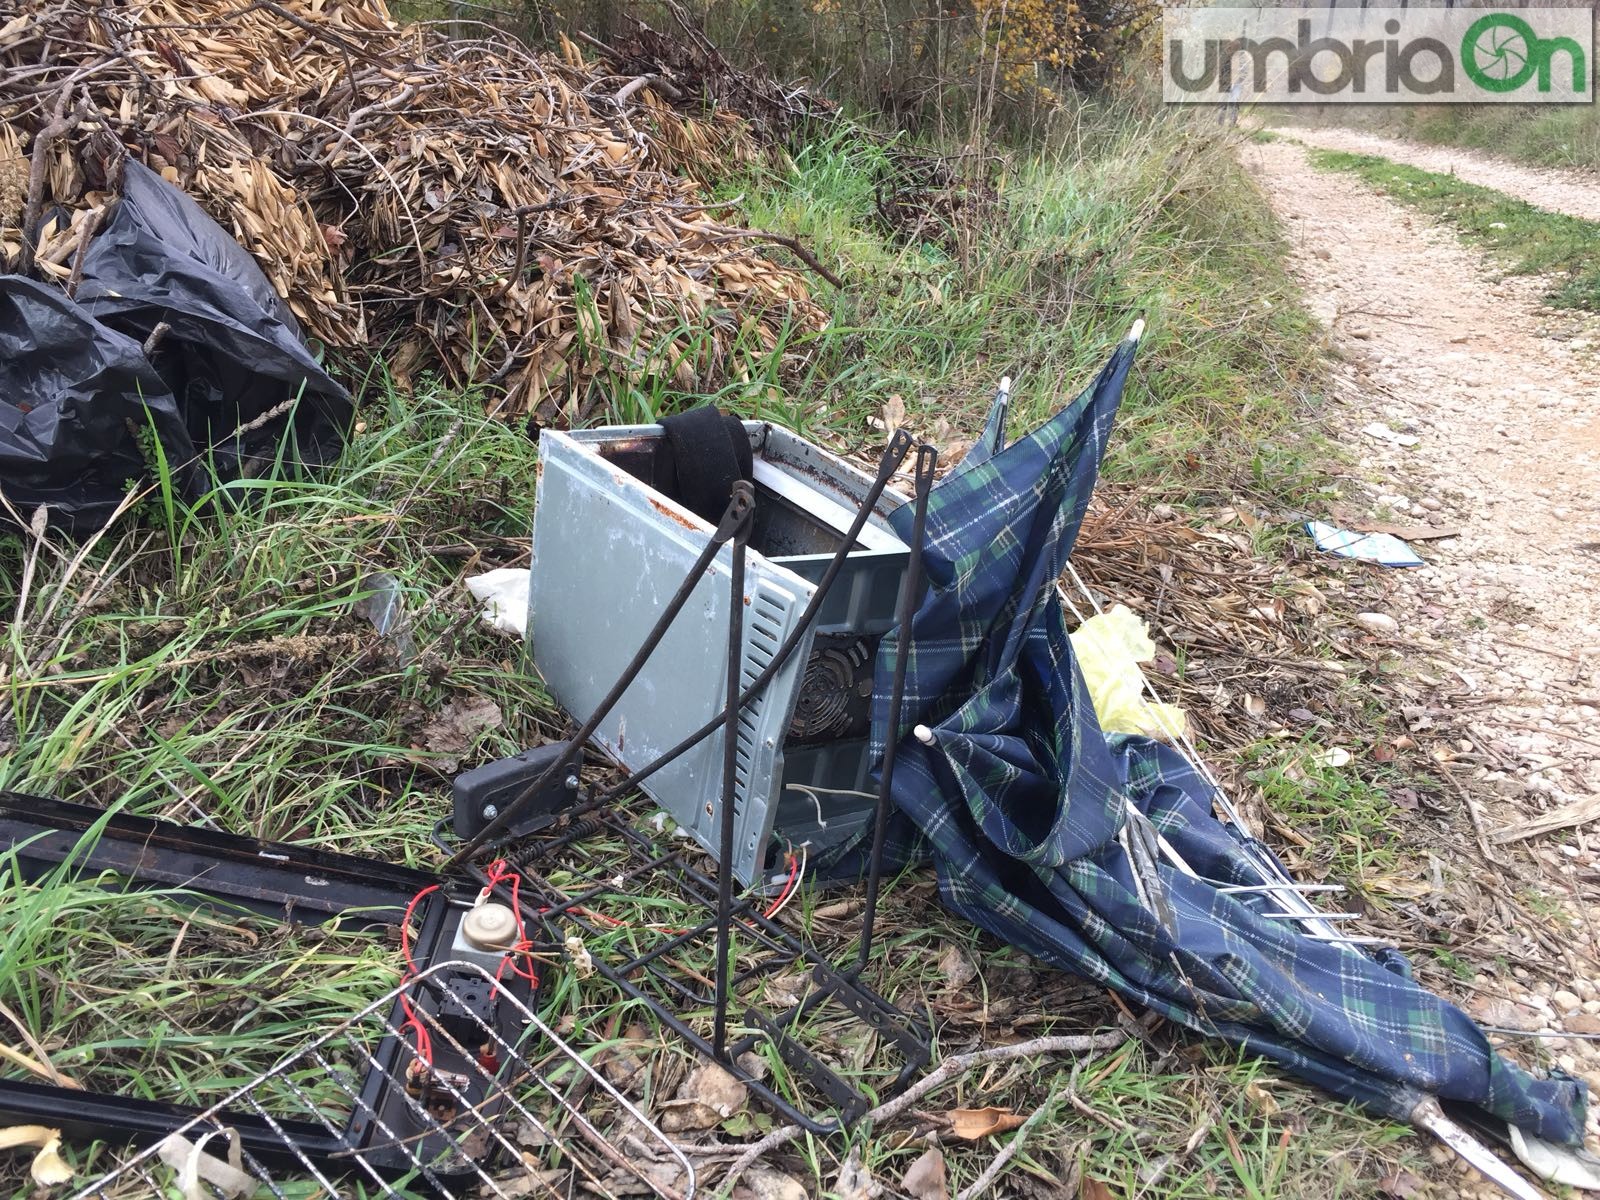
(299,885)
(778,948)
(649,976)
(290,883)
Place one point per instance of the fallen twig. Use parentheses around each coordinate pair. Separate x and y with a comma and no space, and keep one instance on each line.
(157,336)
(800,252)
(1478,831)
(981,1185)
(1550,650)
(627,90)
(1579,812)
(723,232)
(61,123)
(91,224)
(946,1071)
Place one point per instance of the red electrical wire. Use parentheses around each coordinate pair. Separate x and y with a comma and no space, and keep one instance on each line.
(501,872)
(788,886)
(424,1042)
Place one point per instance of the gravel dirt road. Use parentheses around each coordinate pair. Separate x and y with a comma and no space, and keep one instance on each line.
(1574,192)
(1471,406)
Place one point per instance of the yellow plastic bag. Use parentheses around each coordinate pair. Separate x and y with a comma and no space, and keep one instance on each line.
(1110,646)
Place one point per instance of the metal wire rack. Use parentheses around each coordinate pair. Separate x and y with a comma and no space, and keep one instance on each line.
(841,1040)
(506,1109)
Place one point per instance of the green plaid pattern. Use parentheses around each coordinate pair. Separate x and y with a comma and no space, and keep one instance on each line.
(1020,800)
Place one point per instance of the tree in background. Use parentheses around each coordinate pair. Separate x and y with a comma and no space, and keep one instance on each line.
(922,62)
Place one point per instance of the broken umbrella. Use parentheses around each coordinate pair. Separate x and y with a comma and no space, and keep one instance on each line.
(1006,781)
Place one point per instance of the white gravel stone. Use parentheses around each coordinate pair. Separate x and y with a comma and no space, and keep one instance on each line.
(1378,622)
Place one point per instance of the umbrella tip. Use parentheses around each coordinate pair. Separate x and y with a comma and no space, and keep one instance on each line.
(1137,331)
(923,734)
(1005,385)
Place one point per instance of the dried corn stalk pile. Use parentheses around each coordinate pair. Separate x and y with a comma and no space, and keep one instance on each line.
(466,207)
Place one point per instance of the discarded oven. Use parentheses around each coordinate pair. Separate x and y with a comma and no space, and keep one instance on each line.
(610,548)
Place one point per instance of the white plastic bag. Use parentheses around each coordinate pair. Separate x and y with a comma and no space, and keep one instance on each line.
(504,593)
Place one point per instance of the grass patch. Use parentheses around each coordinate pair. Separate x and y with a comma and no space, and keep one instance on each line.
(1345,820)
(163,999)
(1134,216)
(1546,135)
(216,665)
(1528,240)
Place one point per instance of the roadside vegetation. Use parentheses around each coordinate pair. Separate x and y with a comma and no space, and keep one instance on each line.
(212,663)
(1548,135)
(1527,240)
(1043,268)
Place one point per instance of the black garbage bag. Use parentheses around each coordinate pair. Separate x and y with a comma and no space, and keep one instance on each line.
(77,399)
(233,352)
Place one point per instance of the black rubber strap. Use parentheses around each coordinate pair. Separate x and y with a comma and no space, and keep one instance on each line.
(709,454)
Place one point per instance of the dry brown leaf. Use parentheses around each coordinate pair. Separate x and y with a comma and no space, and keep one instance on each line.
(458,725)
(48,1167)
(1400,1185)
(1271,611)
(956,967)
(1410,888)
(622,1063)
(838,910)
(764,1183)
(1263,1100)
(708,1097)
(1095,1189)
(925,1179)
(855,1182)
(894,413)
(974,1124)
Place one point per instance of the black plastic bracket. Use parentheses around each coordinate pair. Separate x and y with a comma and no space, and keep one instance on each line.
(276,879)
(485,792)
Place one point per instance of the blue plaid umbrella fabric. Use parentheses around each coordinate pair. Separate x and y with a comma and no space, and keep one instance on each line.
(1020,799)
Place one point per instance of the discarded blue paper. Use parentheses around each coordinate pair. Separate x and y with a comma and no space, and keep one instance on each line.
(1382,548)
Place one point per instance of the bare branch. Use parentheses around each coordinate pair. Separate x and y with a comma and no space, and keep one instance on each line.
(947,1070)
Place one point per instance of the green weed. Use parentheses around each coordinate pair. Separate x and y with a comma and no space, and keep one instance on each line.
(1552,135)
(1346,818)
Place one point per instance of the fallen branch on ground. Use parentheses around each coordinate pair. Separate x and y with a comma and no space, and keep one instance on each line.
(981,1185)
(946,1071)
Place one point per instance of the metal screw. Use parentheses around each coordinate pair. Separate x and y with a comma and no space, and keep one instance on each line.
(490,812)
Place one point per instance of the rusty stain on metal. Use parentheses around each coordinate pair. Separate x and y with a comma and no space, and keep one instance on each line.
(669,513)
